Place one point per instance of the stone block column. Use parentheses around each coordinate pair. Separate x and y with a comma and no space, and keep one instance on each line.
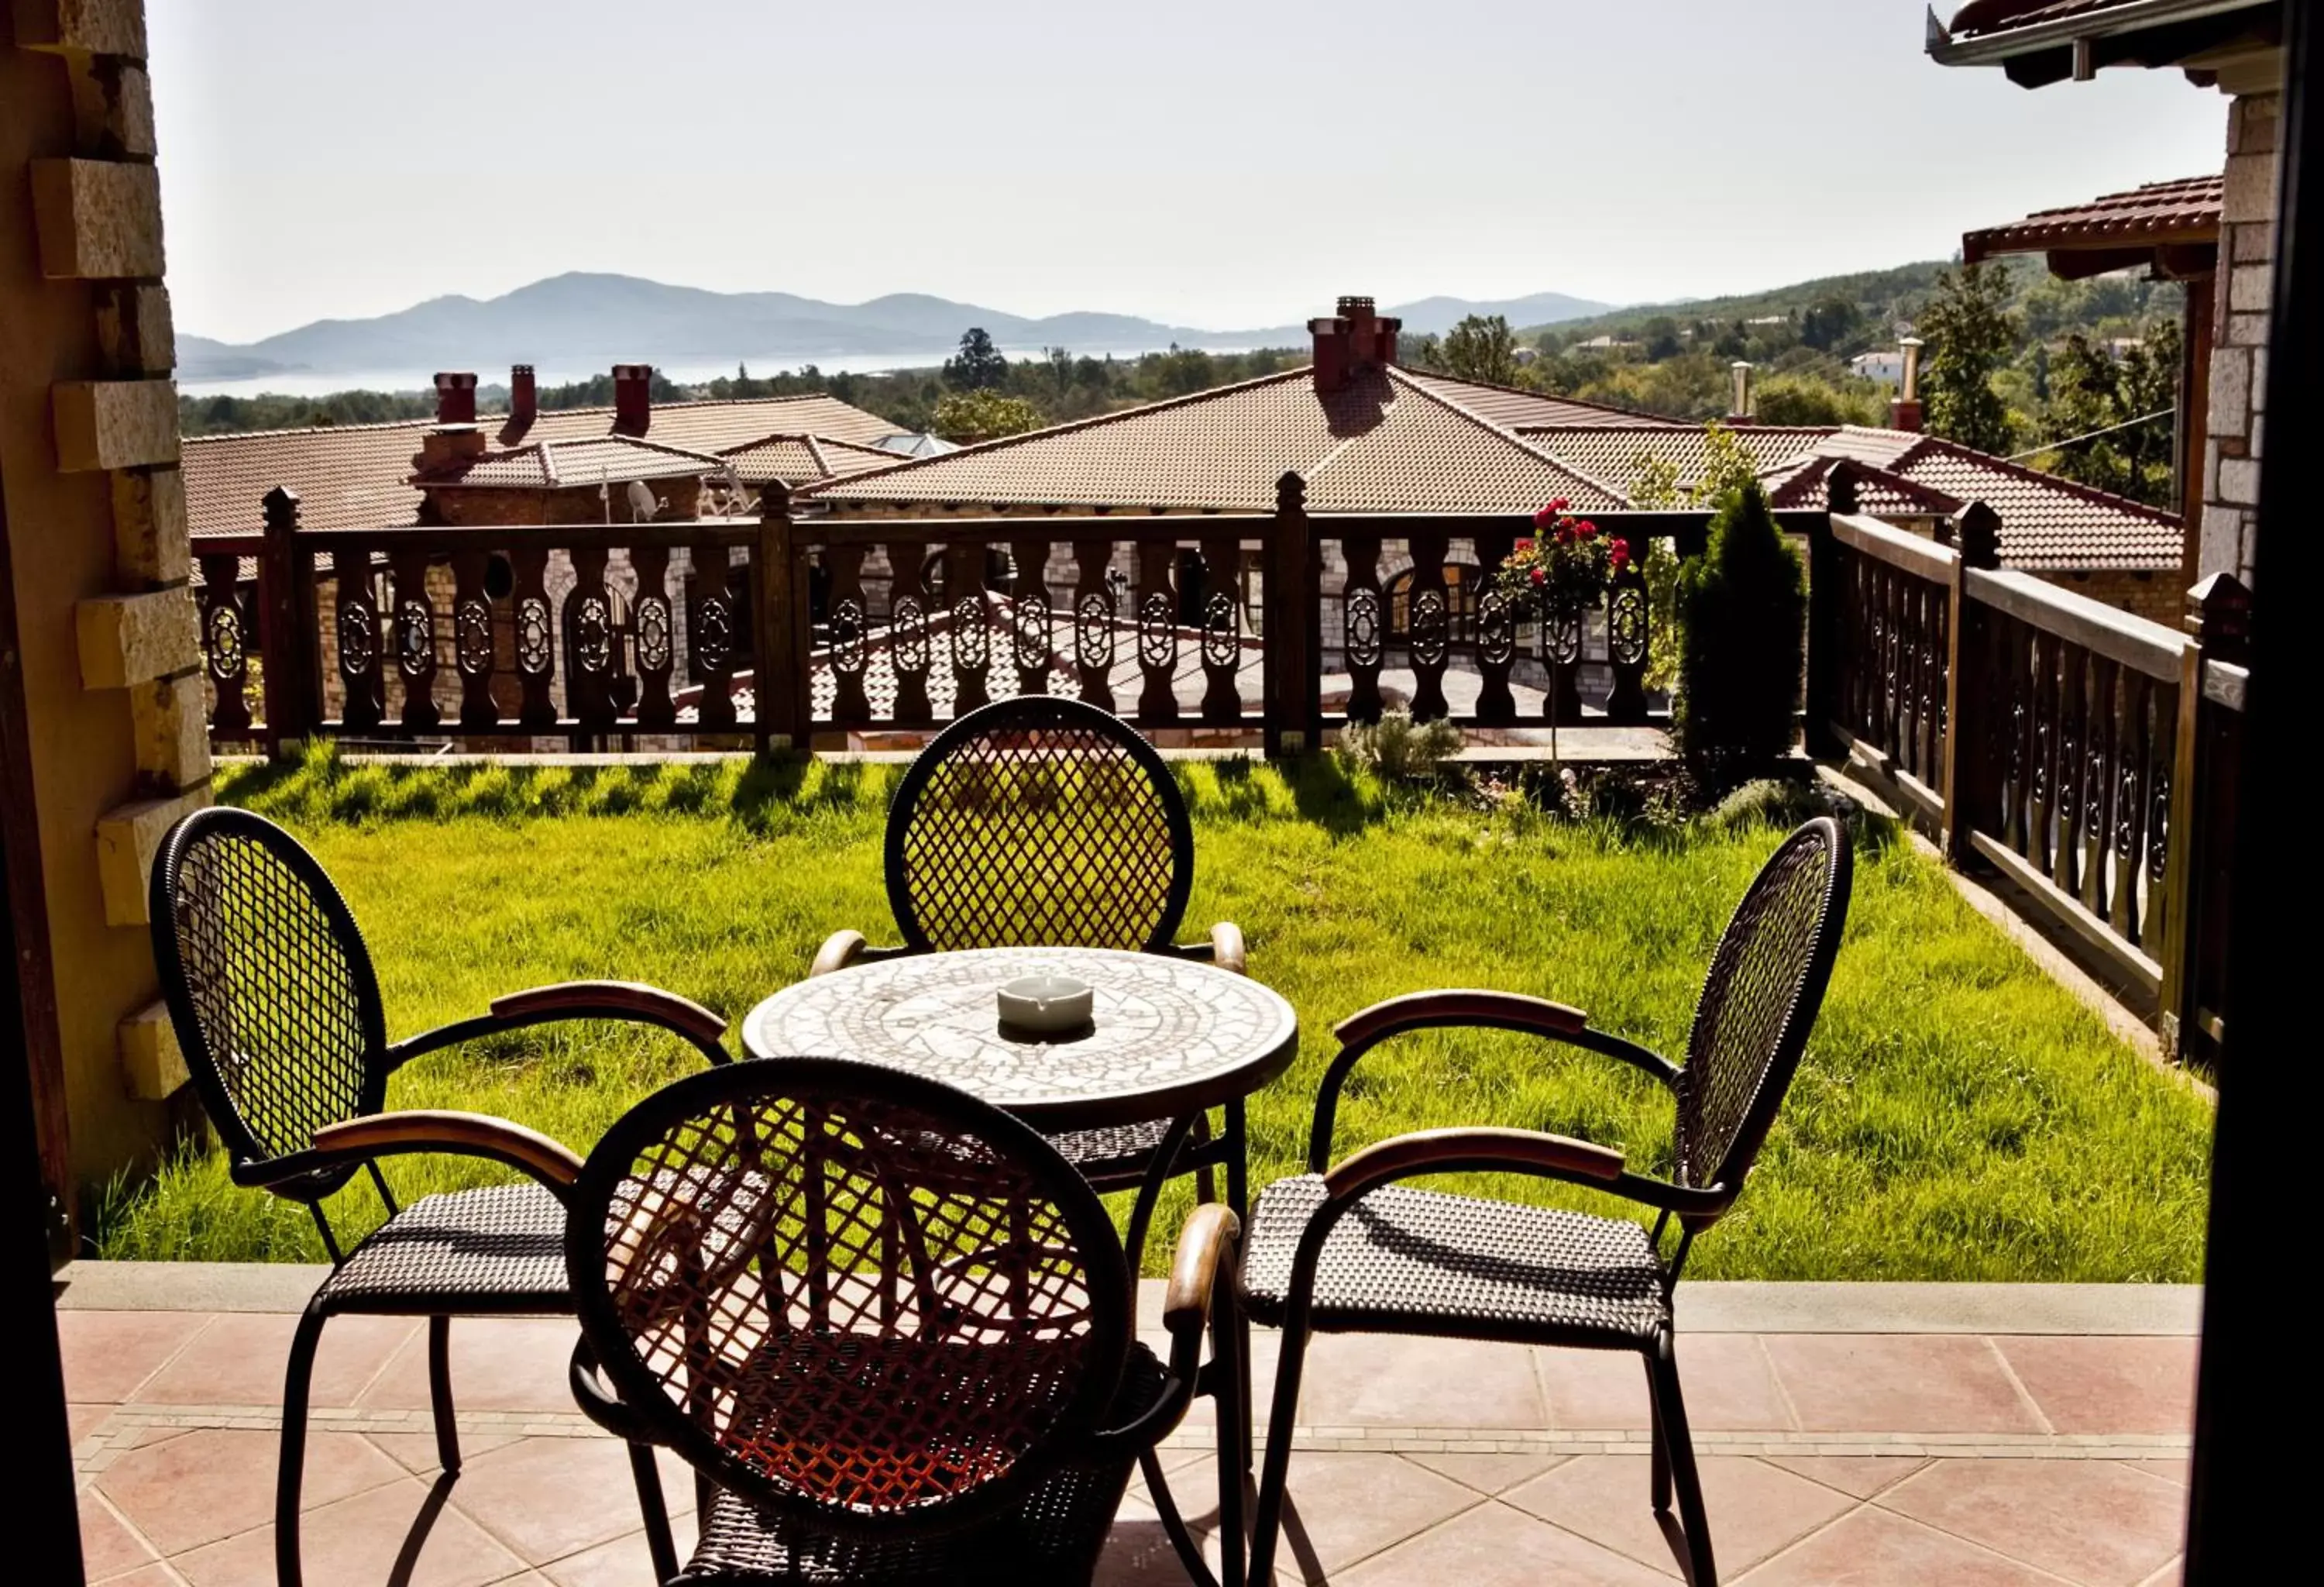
(2231,461)
(107,739)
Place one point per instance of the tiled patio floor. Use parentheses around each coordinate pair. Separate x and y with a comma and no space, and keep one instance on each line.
(1867,1455)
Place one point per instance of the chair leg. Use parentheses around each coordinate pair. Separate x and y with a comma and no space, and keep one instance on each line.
(297,1384)
(439,1394)
(1669,1410)
(1660,1470)
(659,1545)
(1230,1342)
(1275,1470)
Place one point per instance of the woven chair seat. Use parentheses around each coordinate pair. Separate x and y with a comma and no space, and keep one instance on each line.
(499,1249)
(1404,1261)
(1054,1536)
(1120,1149)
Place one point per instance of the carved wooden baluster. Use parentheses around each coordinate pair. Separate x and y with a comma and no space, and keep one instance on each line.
(1894,654)
(2073,734)
(359,640)
(970,626)
(2012,718)
(715,633)
(1032,630)
(1629,646)
(1095,629)
(535,631)
(471,639)
(1222,628)
(589,631)
(1496,635)
(226,645)
(2162,752)
(849,624)
(1938,674)
(2099,750)
(2041,833)
(908,647)
(1909,619)
(413,637)
(656,628)
(1428,625)
(2129,841)
(1158,633)
(1864,706)
(1363,623)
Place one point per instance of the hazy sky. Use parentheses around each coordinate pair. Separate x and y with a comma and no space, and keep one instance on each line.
(1205,163)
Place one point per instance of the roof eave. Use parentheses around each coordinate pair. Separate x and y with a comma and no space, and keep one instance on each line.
(1996,49)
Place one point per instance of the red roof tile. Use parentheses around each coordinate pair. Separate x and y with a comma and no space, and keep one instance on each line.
(2183,211)
(548,465)
(803,460)
(1512,408)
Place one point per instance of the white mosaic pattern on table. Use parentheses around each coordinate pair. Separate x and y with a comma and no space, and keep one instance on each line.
(1157,1023)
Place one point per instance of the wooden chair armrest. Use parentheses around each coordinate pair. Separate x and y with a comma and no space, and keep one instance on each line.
(1471,1151)
(1207,1247)
(615,999)
(1227,950)
(839,950)
(437,1130)
(1427,1011)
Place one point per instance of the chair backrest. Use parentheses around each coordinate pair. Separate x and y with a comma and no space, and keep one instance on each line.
(1040,822)
(858,1298)
(1759,1003)
(269,985)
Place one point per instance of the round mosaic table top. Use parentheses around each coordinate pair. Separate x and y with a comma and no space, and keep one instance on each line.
(1166,1036)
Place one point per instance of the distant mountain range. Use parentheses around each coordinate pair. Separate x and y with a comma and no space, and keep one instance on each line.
(579,321)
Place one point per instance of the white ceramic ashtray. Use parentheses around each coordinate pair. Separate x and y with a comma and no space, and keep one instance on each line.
(1044,1003)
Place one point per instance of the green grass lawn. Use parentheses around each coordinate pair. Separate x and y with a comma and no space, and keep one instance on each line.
(1957,1115)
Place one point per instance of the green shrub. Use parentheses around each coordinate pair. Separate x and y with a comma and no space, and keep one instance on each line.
(1398,749)
(1742,641)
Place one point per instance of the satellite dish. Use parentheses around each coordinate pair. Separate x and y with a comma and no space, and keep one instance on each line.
(642,505)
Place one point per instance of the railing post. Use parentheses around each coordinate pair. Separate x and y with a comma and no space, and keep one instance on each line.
(782,631)
(1966,772)
(1291,711)
(1825,616)
(2217,625)
(289,666)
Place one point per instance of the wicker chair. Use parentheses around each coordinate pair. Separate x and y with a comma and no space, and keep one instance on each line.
(885,1323)
(1347,1249)
(274,1001)
(1045,822)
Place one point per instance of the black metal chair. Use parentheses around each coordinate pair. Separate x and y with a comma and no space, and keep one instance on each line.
(273,996)
(887,1325)
(1347,1249)
(1045,822)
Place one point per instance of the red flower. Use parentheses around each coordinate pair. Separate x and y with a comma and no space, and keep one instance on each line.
(1540,575)
(1523,548)
(1587,530)
(1617,553)
(1557,504)
(1544,518)
(1564,534)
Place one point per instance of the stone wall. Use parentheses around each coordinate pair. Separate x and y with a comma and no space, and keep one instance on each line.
(2245,280)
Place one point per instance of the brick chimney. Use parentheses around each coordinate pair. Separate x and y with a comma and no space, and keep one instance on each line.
(455,399)
(633,398)
(1355,339)
(524,396)
(1905,413)
(446,444)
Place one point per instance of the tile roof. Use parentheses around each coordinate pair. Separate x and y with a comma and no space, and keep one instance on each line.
(803,459)
(548,465)
(1981,17)
(358,475)
(1512,408)
(2183,211)
(1613,452)
(1386,442)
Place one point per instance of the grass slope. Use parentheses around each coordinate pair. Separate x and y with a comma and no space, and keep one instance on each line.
(1958,1117)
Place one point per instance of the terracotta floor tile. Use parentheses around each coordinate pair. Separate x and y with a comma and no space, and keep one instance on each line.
(152,1575)
(1137,1552)
(548,1497)
(1494,1545)
(2168,1576)
(624,1562)
(108,1354)
(1897,1383)
(241,1357)
(108,1549)
(1858,1476)
(1343,1507)
(2107,1385)
(1754,1508)
(2102,1523)
(1725,1376)
(81,1420)
(213,1482)
(416,1451)
(2171,1468)
(1489,1473)
(498,1364)
(1870,1547)
(1379,1379)
(361,1542)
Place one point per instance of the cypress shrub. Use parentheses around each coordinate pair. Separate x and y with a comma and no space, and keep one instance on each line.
(1742,642)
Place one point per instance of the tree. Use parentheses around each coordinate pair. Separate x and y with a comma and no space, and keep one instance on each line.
(1482,348)
(1791,398)
(1971,335)
(983,415)
(2129,395)
(1742,642)
(978,366)
(1831,324)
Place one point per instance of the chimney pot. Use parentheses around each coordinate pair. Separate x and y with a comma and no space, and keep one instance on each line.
(633,398)
(524,395)
(455,398)
(1906,413)
(1740,411)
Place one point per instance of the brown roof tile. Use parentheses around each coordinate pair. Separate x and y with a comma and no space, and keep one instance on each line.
(1512,408)
(548,465)
(803,460)
(1613,453)
(358,476)
(2183,211)
(1384,443)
